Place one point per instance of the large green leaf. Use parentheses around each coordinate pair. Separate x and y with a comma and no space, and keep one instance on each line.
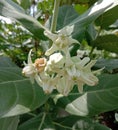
(25,4)
(63,123)
(108,18)
(107,42)
(68,16)
(17,94)
(78,123)
(9,123)
(91,14)
(34,123)
(108,64)
(65,16)
(94,100)
(10,9)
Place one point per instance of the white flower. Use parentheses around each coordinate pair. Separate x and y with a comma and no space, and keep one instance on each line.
(80,71)
(61,72)
(61,41)
(64,85)
(29,70)
(87,76)
(47,83)
(55,63)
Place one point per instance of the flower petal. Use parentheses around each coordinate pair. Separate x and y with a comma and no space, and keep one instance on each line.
(80,86)
(64,85)
(89,79)
(29,57)
(83,62)
(71,40)
(66,30)
(38,80)
(51,50)
(50,35)
(90,64)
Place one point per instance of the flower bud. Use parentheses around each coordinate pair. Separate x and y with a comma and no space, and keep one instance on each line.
(29,71)
(40,64)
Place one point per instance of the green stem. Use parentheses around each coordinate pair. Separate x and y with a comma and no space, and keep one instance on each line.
(62,126)
(93,46)
(91,52)
(43,119)
(55,15)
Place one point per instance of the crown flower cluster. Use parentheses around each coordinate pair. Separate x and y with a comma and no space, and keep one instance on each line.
(60,71)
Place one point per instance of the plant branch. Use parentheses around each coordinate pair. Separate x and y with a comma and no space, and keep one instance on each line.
(55,15)
(43,119)
(62,126)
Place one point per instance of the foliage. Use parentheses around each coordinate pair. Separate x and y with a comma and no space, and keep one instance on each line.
(25,104)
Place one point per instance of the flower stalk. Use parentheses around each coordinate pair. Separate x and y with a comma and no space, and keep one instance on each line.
(42,121)
(55,15)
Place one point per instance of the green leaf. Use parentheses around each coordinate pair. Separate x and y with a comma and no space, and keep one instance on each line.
(81,8)
(34,123)
(109,64)
(10,9)
(107,42)
(25,4)
(63,123)
(91,33)
(9,123)
(95,11)
(65,16)
(6,62)
(78,123)
(69,17)
(94,100)
(91,15)
(107,18)
(17,94)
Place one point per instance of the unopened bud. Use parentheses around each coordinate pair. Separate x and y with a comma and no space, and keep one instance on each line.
(40,64)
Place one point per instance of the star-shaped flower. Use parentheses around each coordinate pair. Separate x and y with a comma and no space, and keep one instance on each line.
(80,71)
(61,41)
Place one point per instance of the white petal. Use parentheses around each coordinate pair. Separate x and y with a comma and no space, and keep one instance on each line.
(71,40)
(70,30)
(56,57)
(47,87)
(90,64)
(29,57)
(72,71)
(29,71)
(50,35)
(80,86)
(32,80)
(98,71)
(38,80)
(64,85)
(83,62)
(89,79)
(51,50)
(66,30)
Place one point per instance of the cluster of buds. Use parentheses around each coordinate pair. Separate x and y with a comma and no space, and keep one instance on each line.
(61,71)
